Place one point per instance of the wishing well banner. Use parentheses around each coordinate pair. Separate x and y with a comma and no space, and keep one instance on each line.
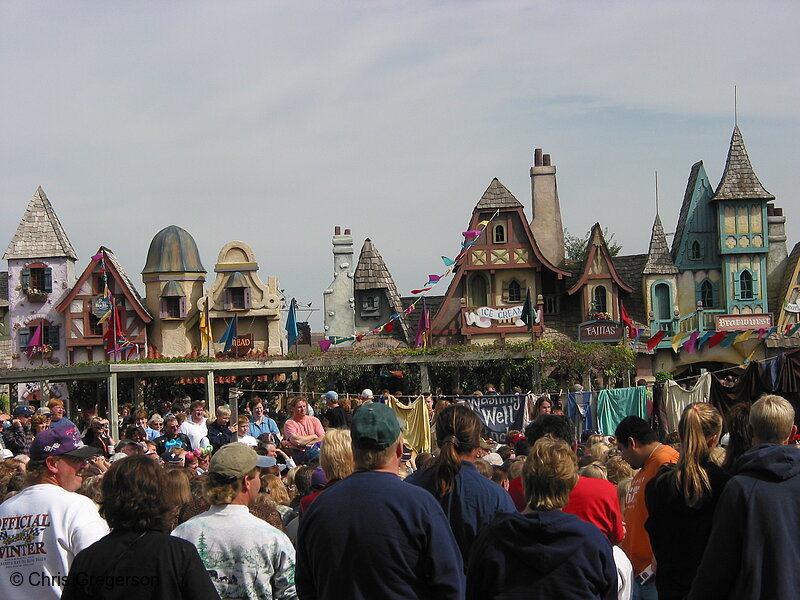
(499,414)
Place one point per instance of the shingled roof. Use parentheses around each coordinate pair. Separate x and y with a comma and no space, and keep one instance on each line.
(684,214)
(497,196)
(39,234)
(659,259)
(371,274)
(739,181)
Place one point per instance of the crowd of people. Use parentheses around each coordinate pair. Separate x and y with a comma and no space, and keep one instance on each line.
(333,503)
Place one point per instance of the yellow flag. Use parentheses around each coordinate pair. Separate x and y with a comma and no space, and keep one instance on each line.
(745,335)
(205,324)
(483,223)
(676,340)
(750,356)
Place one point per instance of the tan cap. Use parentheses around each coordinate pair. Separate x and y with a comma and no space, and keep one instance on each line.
(233,461)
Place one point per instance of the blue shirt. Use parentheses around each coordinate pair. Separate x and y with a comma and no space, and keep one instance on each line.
(473,502)
(267,426)
(410,547)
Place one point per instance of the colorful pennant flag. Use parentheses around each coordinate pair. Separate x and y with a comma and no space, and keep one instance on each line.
(423,327)
(35,341)
(325,345)
(716,339)
(448,261)
(727,341)
(527,311)
(750,356)
(291,325)
(744,336)
(205,325)
(388,327)
(483,224)
(676,340)
(771,331)
(229,335)
(626,320)
(98,256)
(655,340)
(706,336)
(689,345)
(472,233)
(433,279)
(794,329)
(416,292)
(639,332)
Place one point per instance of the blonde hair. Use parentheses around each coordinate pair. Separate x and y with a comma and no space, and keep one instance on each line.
(336,454)
(276,490)
(242,420)
(367,459)
(599,450)
(771,419)
(550,473)
(216,492)
(595,470)
(617,469)
(623,487)
(699,422)
(223,411)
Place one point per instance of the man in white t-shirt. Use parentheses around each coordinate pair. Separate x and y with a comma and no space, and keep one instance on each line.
(44,526)
(195,426)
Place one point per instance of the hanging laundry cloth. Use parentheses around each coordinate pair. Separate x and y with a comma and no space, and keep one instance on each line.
(579,411)
(677,398)
(615,405)
(417,432)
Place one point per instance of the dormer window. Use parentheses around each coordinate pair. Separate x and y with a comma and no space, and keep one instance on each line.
(237,292)
(370,305)
(173,301)
(695,251)
(499,234)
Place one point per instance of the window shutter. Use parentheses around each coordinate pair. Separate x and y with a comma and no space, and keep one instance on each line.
(715,293)
(25,279)
(54,336)
(48,280)
(24,337)
(737,287)
(505,292)
(182,302)
(702,249)
(247,297)
(756,289)
(698,292)
(226,298)
(162,309)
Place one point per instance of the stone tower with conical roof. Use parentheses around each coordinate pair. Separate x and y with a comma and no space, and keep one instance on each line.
(41,270)
(741,203)
(660,278)
(174,280)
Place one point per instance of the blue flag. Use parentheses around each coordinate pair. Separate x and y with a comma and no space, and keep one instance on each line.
(291,325)
(230,335)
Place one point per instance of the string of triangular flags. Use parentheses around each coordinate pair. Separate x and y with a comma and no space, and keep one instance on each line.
(470,237)
(115,340)
(693,341)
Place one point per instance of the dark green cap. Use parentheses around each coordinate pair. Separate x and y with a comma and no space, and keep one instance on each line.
(375,427)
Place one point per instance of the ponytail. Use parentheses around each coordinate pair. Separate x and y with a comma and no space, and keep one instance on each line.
(457,432)
(698,423)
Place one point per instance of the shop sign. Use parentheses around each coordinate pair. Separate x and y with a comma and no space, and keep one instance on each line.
(600,331)
(100,306)
(743,322)
(242,344)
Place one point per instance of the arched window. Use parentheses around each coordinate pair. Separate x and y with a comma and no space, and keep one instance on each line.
(499,234)
(696,253)
(662,302)
(746,285)
(600,299)
(477,291)
(514,292)
(707,294)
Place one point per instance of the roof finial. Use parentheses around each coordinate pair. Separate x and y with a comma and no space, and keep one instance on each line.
(656,193)
(735,108)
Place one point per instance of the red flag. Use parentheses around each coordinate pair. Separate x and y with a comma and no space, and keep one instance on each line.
(655,339)
(626,320)
(718,337)
(389,326)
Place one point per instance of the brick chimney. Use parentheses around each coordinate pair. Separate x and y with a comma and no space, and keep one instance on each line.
(546,219)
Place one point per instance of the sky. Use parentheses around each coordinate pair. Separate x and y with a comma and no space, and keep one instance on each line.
(274,122)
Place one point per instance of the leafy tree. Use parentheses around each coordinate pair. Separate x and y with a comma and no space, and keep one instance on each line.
(575,246)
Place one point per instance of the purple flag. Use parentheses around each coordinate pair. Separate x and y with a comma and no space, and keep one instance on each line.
(36,340)
(423,327)
(689,345)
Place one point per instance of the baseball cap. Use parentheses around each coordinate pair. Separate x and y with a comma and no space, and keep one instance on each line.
(43,411)
(170,458)
(23,409)
(331,395)
(494,459)
(367,393)
(61,441)
(233,461)
(375,427)
(318,479)
(265,462)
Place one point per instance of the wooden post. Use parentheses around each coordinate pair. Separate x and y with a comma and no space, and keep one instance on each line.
(211,398)
(111,383)
(424,378)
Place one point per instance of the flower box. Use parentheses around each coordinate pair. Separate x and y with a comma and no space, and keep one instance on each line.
(35,295)
(43,351)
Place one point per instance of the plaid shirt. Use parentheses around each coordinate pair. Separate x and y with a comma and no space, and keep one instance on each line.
(18,439)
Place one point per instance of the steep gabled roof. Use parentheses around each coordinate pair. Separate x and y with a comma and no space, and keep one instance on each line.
(115,270)
(684,214)
(597,243)
(371,274)
(659,259)
(739,181)
(39,234)
(497,196)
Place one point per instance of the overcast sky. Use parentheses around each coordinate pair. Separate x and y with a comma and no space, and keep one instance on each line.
(273,122)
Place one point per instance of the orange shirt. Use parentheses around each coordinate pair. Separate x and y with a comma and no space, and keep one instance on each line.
(637,543)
